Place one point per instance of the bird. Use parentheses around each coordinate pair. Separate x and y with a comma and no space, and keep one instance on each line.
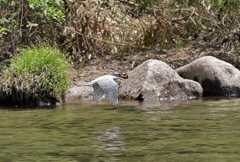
(107,85)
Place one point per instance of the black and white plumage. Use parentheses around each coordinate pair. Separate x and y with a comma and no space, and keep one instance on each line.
(106,85)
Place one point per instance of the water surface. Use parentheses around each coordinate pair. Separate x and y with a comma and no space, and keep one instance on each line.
(197,130)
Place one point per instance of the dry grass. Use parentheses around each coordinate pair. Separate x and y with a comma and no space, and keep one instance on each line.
(99,27)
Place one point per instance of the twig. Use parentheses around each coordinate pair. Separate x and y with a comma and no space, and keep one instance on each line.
(100,39)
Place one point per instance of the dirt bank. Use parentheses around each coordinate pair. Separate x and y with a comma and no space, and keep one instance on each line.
(173,56)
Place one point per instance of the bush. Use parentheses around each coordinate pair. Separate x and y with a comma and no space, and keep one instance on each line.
(39,74)
(29,22)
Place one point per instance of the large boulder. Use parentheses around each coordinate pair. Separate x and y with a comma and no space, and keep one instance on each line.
(218,78)
(155,80)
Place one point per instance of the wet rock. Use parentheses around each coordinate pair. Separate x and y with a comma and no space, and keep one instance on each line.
(217,78)
(155,80)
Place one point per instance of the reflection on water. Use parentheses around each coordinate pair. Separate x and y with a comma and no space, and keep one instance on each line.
(196,130)
(109,139)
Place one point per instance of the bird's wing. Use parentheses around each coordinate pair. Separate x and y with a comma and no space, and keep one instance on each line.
(97,93)
(110,87)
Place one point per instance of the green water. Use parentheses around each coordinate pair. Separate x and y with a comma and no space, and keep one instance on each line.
(200,130)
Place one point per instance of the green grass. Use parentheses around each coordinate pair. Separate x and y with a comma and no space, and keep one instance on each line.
(38,72)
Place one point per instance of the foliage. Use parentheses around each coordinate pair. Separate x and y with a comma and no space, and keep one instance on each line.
(88,29)
(101,27)
(38,72)
(27,22)
(49,9)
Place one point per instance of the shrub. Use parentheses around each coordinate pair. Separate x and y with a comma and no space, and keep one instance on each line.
(38,74)
(28,22)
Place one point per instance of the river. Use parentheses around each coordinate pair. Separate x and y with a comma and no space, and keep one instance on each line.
(84,131)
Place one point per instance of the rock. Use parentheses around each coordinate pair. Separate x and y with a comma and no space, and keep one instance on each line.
(79,91)
(218,78)
(155,80)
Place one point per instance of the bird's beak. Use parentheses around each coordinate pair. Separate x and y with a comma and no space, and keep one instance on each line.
(124,75)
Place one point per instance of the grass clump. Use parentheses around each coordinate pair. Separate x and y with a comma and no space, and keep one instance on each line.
(39,74)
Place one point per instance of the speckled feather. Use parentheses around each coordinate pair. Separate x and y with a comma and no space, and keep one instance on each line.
(98,92)
(105,85)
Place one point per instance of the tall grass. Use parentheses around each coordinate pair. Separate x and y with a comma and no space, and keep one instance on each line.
(37,74)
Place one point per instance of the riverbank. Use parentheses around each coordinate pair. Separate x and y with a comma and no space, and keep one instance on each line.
(175,57)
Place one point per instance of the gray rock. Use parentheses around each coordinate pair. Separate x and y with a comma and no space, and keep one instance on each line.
(79,91)
(155,80)
(217,78)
